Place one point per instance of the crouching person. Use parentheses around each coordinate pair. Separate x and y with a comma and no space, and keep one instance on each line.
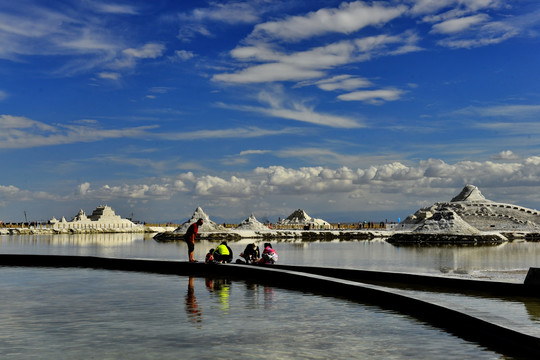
(251,254)
(223,253)
(269,255)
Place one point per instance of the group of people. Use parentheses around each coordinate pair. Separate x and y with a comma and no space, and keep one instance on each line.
(224,254)
(251,255)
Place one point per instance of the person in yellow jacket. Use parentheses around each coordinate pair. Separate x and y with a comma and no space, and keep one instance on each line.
(223,253)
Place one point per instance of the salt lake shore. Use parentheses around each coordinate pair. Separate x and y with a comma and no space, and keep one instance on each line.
(468,219)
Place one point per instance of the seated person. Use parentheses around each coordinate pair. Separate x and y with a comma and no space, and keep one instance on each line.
(269,255)
(223,253)
(251,254)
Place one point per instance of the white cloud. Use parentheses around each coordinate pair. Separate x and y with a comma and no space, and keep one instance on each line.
(453,7)
(269,73)
(216,186)
(3,95)
(183,55)
(391,186)
(232,13)
(147,51)
(453,26)
(114,8)
(315,62)
(343,82)
(83,188)
(373,96)
(9,122)
(505,155)
(348,18)
(510,111)
(110,75)
(233,133)
(281,106)
(251,152)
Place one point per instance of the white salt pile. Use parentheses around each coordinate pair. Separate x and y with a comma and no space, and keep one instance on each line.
(299,217)
(470,193)
(446,222)
(252,223)
(207,226)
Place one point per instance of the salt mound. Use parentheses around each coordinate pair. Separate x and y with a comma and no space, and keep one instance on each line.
(208,224)
(252,223)
(299,217)
(446,222)
(469,193)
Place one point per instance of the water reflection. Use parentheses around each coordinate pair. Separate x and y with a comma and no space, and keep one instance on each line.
(221,289)
(533,309)
(193,311)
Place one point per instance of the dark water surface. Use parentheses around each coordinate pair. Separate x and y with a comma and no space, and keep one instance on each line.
(81,313)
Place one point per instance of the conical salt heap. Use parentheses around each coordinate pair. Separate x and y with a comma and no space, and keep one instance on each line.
(207,226)
(300,217)
(252,223)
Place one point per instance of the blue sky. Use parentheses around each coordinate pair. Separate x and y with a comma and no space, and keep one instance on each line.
(350,110)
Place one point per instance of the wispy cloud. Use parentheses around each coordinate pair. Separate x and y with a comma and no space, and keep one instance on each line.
(375,97)
(348,18)
(21,132)
(509,110)
(313,63)
(280,106)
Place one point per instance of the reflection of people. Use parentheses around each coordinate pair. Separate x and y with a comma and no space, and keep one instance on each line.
(223,253)
(192,307)
(269,255)
(251,254)
(222,288)
(189,238)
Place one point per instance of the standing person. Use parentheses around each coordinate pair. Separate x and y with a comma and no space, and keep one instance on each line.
(189,238)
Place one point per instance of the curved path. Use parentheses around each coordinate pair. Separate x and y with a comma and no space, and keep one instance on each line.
(490,330)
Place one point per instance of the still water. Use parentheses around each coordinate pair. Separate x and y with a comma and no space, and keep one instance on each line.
(82,313)
(507,262)
(94,314)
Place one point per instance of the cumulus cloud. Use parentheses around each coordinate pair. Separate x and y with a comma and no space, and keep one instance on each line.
(390,186)
(505,155)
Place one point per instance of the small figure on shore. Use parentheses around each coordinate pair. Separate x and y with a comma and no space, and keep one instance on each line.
(269,255)
(189,238)
(223,253)
(251,254)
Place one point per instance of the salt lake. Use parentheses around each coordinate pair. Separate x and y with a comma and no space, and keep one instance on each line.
(83,313)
